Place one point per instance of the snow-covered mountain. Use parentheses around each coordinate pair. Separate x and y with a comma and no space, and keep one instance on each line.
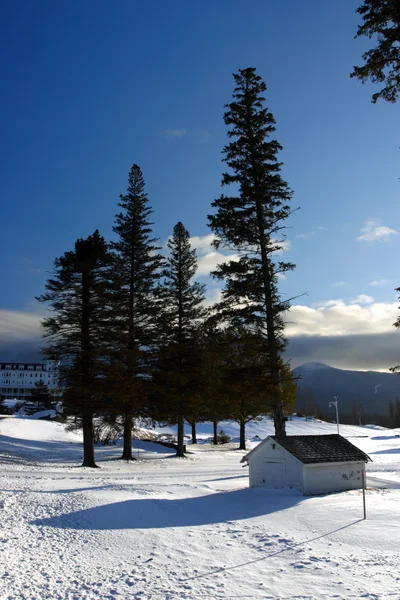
(361,392)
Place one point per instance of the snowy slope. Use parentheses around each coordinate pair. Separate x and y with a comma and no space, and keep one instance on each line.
(173,529)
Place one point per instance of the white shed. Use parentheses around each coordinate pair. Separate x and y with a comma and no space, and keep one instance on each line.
(313,464)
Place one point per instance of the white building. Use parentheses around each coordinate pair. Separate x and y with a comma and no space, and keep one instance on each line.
(313,464)
(17,379)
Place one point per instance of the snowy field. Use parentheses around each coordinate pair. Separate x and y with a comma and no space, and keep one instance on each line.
(166,528)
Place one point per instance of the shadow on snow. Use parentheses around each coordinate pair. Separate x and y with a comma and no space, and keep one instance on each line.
(157,513)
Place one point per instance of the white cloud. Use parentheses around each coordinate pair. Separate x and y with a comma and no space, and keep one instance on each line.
(202,135)
(338,318)
(379,282)
(213,296)
(202,243)
(338,284)
(208,262)
(174,134)
(373,231)
(284,246)
(309,234)
(18,325)
(363,299)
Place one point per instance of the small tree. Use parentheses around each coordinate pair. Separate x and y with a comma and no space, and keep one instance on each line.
(4,410)
(41,398)
(78,332)
(382,63)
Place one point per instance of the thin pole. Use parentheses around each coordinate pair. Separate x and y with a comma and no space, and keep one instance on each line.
(335,404)
(337,416)
(363,488)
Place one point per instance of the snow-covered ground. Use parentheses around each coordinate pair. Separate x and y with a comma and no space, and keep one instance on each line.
(166,528)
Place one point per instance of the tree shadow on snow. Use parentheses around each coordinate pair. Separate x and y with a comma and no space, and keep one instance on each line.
(184,512)
(387,451)
(46,451)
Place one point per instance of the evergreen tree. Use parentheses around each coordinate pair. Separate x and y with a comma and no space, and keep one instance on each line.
(245,374)
(136,268)
(214,393)
(181,313)
(382,63)
(4,410)
(77,333)
(249,224)
(396,324)
(41,398)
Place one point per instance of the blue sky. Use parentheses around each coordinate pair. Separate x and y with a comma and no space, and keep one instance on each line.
(89,88)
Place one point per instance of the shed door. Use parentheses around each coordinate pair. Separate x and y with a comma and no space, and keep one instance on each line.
(273,473)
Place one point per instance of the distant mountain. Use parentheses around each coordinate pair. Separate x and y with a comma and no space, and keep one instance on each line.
(360,393)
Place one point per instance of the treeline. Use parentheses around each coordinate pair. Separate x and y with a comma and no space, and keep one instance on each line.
(129,325)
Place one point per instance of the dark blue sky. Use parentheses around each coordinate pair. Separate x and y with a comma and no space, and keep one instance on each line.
(89,88)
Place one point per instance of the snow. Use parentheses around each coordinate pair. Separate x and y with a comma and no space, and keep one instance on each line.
(313,366)
(166,528)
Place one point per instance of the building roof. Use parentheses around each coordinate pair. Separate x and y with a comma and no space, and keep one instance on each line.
(311,449)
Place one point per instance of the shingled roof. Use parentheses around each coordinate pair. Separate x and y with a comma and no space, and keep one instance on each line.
(321,448)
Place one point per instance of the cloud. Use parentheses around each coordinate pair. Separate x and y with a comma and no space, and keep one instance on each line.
(19,325)
(174,134)
(213,296)
(363,299)
(208,262)
(338,284)
(375,352)
(379,282)
(283,246)
(20,335)
(208,257)
(202,243)
(202,135)
(338,318)
(373,231)
(309,234)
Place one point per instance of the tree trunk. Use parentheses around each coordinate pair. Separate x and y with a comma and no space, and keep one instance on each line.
(128,424)
(279,415)
(280,422)
(215,433)
(86,376)
(88,445)
(180,449)
(194,436)
(242,439)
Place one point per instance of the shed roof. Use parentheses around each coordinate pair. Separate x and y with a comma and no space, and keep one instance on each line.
(311,449)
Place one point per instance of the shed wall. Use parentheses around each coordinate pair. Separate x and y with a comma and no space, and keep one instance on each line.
(260,474)
(322,479)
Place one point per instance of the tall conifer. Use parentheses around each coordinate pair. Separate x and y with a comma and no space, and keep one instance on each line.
(137,267)
(381,19)
(78,331)
(250,221)
(181,312)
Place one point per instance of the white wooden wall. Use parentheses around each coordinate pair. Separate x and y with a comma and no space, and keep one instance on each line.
(322,479)
(262,467)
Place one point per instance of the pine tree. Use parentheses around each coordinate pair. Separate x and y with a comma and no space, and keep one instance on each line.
(249,224)
(396,324)
(77,333)
(137,267)
(181,313)
(41,398)
(214,393)
(4,410)
(382,63)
